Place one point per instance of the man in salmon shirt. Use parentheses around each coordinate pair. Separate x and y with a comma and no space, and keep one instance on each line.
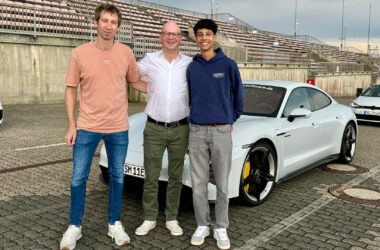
(101,68)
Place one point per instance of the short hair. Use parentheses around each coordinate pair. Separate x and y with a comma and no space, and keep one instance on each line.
(110,8)
(206,24)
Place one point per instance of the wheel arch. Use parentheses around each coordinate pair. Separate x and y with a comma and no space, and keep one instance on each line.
(234,182)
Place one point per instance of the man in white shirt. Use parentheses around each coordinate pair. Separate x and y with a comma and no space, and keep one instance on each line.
(166,127)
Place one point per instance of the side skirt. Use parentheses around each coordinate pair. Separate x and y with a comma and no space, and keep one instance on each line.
(309,167)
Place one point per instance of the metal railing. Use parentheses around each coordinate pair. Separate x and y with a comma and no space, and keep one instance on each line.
(309,39)
(324,67)
(258,55)
(18,19)
(166,8)
(143,45)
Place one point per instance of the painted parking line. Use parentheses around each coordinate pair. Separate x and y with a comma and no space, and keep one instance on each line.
(42,146)
(283,225)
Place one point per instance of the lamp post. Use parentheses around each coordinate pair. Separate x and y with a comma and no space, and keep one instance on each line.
(369,29)
(341,41)
(295,20)
(212,7)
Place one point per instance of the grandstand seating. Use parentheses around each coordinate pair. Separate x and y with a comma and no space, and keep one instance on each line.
(142,25)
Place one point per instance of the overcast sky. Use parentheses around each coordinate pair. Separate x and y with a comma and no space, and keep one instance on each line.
(321,19)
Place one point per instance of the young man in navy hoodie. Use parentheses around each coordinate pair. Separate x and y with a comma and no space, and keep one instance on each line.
(216,102)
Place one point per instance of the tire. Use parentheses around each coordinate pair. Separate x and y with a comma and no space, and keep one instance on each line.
(258,180)
(348,147)
(104,175)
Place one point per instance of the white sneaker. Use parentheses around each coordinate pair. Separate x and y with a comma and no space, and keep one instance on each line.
(117,232)
(221,237)
(145,227)
(199,235)
(70,237)
(174,228)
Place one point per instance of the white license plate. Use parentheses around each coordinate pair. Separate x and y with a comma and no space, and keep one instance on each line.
(133,170)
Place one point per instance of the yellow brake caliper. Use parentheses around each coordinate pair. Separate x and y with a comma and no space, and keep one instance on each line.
(247,169)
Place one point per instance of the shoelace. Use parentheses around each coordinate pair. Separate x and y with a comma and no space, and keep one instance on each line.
(200,231)
(222,235)
(118,228)
(147,224)
(71,232)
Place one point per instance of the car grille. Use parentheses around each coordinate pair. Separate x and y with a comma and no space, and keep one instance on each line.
(368,117)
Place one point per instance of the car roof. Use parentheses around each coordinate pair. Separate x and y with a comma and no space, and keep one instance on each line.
(277,83)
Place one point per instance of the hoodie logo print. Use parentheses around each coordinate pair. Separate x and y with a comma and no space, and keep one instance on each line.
(218,75)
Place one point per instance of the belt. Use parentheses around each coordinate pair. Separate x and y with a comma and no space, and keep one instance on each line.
(169,124)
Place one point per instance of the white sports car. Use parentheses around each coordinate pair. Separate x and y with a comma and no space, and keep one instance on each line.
(367,105)
(286,128)
(1,114)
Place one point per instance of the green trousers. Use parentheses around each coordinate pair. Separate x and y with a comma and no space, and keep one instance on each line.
(156,139)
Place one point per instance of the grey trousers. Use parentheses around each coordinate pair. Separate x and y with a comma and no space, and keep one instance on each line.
(210,143)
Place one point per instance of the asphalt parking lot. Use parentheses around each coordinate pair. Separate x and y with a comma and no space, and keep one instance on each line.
(35,174)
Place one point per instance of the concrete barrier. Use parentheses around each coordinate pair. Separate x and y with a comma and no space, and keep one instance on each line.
(33,70)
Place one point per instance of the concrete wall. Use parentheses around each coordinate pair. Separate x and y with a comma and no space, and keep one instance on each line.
(33,70)
(290,72)
(343,84)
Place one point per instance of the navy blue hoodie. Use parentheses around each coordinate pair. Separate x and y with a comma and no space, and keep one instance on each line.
(215,90)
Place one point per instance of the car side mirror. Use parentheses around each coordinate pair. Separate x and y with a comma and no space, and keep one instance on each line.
(359,91)
(298,113)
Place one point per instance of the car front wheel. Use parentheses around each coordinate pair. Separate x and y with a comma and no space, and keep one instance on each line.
(258,174)
(348,147)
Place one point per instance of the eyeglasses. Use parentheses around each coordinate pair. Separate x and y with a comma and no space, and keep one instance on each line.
(168,34)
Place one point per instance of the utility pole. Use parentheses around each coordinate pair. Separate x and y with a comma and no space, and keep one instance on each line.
(341,41)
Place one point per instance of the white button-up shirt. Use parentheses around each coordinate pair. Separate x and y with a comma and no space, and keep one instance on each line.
(167,91)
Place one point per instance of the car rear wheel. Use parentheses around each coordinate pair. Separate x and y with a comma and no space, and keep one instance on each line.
(348,147)
(104,175)
(258,174)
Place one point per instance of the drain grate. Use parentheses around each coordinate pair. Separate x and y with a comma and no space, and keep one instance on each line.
(344,168)
(357,194)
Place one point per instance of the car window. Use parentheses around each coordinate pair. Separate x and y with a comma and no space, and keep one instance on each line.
(297,99)
(372,91)
(318,99)
(260,100)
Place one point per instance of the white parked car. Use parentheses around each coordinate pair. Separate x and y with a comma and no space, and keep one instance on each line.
(367,105)
(286,128)
(1,113)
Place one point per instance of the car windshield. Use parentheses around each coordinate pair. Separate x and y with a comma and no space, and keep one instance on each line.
(373,91)
(260,100)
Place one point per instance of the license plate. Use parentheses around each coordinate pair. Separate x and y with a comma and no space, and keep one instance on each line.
(133,170)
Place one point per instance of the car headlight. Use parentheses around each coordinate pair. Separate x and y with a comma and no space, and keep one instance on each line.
(354,105)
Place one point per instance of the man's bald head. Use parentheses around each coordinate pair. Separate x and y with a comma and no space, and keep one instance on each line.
(170,26)
(170,38)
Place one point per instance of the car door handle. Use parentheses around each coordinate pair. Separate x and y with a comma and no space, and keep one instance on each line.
(315,124)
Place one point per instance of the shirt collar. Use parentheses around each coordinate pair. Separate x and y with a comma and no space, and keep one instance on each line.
(178,58)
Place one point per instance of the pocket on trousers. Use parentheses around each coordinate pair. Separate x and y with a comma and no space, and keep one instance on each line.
(224,129)
(194,128)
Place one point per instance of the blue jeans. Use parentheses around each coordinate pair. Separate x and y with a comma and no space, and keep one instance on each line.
(84,148)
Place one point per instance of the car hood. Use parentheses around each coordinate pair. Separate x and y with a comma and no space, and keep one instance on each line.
(368,101)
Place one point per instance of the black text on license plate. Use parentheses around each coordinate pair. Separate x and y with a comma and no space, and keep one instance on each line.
(133,170)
